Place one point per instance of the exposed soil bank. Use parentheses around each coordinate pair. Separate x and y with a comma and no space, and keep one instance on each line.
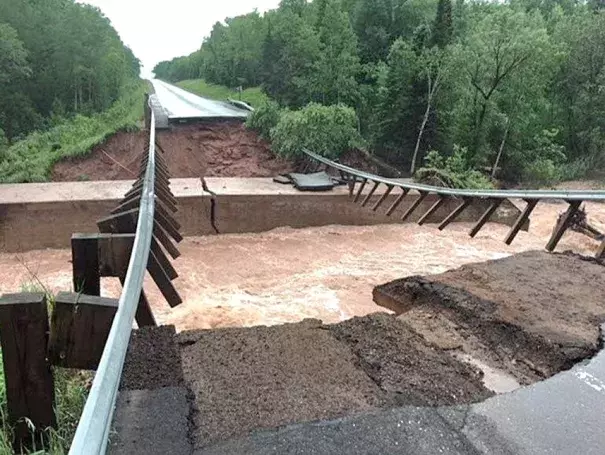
(265,377)
(532,314)
(210,149)
(220,149)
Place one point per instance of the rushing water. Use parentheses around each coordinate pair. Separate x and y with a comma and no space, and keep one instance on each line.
(287,275)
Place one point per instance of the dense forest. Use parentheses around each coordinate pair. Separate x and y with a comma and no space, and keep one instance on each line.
(517,87)
(57,58)
(67,82)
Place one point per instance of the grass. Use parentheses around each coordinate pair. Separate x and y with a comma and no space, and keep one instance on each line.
(253,96)
(71,391)
(32,159)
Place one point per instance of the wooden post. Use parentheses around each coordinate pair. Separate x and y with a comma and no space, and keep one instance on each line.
(85,264)
(520,221)
(79,330)
(563,225)
(29,382)
(113,256)
(495,203)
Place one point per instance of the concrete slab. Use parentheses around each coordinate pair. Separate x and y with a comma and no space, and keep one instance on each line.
(151,422)
(259,204)
(45,215)
(236,205)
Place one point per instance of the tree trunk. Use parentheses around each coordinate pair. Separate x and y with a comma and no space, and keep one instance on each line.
(420,133)
(495,169)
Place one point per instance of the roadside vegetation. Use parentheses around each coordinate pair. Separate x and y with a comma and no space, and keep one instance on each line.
(254,96)
(71,391)
(32,159)
(66,82)
(512,90)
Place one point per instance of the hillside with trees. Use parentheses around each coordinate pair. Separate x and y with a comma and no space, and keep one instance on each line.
(62,67)
(515,90)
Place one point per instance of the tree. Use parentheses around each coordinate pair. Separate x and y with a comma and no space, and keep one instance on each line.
(294,48)
(503,45)
(442,28)
(434,65)
(338,63)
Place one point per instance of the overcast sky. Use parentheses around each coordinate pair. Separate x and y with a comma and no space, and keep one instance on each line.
(160,30)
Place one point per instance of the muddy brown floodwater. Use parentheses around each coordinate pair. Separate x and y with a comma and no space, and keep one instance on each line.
(287,275)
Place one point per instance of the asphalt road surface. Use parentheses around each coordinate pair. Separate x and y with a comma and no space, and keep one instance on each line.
(179,104)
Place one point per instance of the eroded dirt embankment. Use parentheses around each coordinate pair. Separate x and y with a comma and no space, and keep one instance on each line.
(219,149)
(211,149)
(532,315)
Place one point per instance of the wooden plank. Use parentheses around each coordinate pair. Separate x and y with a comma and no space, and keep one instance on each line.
(495,203)
(120,223)
(79,329)
(127,204)
(383,198)
(351,180)
(370,194)
(144,315)
(420,200)
(114,254)
(424,218)
(361,188)
(520,221)
(456,213)
(162,237)
(85,264)
(161,208)
(397,202)
(563,225)
(168,227)
(28,376)
(162,281)
(164,261)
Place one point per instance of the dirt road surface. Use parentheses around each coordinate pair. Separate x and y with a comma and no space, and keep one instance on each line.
(287,275)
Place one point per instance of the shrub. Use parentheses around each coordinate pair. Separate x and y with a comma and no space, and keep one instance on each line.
(264,119)
(327,130)
(452,171)
(541,172)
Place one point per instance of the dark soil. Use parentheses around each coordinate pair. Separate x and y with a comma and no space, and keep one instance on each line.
(265,377)
(152,360)
(533,314)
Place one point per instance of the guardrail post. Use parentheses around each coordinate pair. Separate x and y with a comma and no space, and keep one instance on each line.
(80,326)
(28,376)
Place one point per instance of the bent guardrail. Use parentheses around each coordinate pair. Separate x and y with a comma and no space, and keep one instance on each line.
(353,177)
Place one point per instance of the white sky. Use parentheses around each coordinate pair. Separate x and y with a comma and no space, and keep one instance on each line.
(157,30)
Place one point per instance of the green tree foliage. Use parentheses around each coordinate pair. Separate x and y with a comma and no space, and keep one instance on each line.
(327,130)
(57,55)
(443,28)
(264,119)
(338,64)
(511,83)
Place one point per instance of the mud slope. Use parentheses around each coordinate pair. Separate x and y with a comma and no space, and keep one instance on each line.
(224,149)
(532,314)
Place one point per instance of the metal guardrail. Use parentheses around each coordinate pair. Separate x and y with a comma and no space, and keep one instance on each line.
(467,197)
(93,429)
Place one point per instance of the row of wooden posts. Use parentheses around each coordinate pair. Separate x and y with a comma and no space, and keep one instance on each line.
(69,330)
